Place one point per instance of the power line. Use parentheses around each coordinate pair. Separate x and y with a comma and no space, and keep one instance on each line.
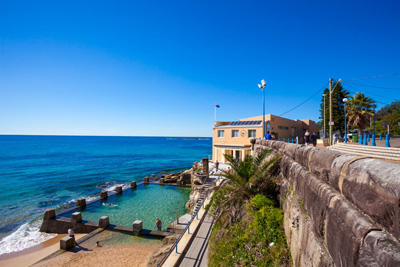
(390,88)
(368,93)
(373,77)
(305,100)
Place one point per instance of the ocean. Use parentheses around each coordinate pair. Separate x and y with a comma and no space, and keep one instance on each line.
(41,172)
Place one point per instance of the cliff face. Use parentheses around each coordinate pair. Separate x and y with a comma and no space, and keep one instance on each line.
(338,209)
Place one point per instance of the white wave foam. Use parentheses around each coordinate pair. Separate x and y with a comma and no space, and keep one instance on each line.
(88,199)
(114,186)
(26,236)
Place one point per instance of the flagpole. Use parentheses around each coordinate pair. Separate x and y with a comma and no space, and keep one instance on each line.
(215,113)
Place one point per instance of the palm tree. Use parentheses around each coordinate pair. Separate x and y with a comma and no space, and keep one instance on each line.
(359,111)
(252,172)
(253,175)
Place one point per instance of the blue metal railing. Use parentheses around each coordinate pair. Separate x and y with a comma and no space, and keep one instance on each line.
(175,244)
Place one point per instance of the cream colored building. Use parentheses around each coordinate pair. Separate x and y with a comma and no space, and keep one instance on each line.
(233,137)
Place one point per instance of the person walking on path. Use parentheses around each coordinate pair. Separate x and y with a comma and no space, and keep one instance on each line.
(335,138)
(216,166)
(314,138)
(307,138)
(269,136)
(158,225)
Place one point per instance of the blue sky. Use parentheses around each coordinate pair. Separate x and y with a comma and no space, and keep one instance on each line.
(158,67)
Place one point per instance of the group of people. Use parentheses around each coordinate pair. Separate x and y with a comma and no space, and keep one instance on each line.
(217,168)
(308,138)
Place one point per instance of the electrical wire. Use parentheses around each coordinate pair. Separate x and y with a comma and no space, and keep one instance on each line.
(390,88)
(354,88)
(305,100)
(372,77)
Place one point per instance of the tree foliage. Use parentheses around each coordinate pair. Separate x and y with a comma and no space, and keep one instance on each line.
(248,228)
(390,114)
(360,110)
(337,107)
(394,107)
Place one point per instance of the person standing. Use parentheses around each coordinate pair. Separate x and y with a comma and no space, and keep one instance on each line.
(269,136)
(216,166)
(158,225)
(314,138)
(307,138)
(335,138)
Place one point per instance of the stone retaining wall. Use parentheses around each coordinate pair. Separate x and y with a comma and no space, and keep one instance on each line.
(340,210)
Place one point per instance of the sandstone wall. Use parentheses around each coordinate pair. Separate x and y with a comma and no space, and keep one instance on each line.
(340,210)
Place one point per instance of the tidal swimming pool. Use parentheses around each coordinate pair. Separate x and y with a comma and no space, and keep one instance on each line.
(145,203)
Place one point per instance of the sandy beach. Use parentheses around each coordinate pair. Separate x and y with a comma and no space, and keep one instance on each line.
(116,255)
(29,256)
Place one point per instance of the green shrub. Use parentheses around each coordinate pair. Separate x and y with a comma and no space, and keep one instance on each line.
(260,201)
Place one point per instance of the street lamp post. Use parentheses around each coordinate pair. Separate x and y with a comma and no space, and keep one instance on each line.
(324,117)
(373,136)
(262,86)
(345,123)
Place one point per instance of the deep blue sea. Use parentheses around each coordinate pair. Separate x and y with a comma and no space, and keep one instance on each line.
(40,172)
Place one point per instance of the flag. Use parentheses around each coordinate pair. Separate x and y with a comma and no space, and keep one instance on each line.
(216,105)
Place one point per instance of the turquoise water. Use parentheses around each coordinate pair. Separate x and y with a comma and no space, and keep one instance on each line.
(146,203)
(41,172)
(111,238)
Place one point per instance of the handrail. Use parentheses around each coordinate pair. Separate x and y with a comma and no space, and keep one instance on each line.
(175,244)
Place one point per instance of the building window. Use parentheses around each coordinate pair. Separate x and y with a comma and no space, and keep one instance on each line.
(280,127)
(235,133)
(221,133)
(286,128)
(252,133)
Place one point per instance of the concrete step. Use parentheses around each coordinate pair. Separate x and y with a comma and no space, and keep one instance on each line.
(375,154)
(372,148)
(372,152)
(369,147)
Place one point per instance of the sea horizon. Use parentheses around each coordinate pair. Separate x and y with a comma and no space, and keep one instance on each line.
(106,135)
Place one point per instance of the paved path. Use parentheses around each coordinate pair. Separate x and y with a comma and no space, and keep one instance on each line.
(197,254)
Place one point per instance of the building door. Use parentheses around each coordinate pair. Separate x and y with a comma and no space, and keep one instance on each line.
(293,131)
(237,155)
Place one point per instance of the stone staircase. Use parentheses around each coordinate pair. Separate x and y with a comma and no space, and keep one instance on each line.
(388,153)
(203,194)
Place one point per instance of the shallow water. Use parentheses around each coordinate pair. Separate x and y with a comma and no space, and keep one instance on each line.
(145,203)
(111,238)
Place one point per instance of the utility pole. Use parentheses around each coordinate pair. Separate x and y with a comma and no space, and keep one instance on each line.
(330,111)
(324,118)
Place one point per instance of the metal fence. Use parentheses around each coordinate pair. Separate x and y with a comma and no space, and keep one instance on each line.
(175,245)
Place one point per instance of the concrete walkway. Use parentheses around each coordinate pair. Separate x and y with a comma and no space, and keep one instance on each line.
(197,254)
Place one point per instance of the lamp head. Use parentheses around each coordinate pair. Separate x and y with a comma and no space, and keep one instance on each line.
(345,100)
(340,80)
(263,82)
(260,86)
(323,94)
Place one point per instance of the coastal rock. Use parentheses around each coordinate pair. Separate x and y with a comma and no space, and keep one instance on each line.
(159,253)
